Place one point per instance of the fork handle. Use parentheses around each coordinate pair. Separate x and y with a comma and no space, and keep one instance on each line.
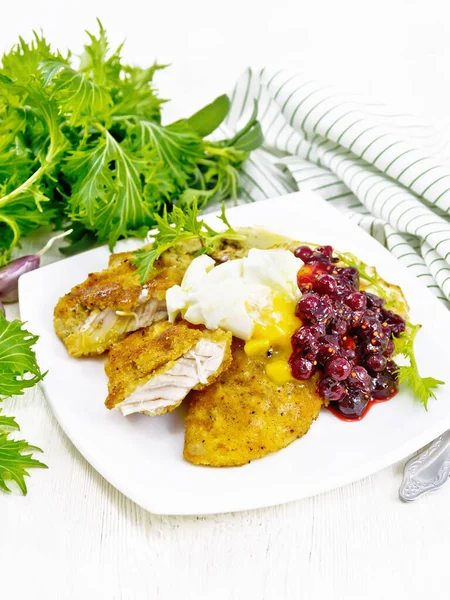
(428,471)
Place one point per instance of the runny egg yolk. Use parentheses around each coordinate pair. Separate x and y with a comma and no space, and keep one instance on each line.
(271,338)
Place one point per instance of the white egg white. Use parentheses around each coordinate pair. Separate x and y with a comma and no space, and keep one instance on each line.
(233,295)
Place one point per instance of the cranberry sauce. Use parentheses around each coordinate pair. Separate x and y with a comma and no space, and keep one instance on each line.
(346,334)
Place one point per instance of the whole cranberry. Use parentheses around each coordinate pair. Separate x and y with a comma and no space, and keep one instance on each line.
(370,327)
(338,368)
(307,306)
(304,253)
(338,326)
(314,308)
(385,386)
(325,284)
(318,330)
(395,322)
(376,362)
(356,301)
(305,341)
(302,368)
(349,354)
(374,302)
(360,379)
(331,390)
(351,274)
(353,403)
(325,251)
(328,348)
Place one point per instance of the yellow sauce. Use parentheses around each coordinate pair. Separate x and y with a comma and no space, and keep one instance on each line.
(271,338)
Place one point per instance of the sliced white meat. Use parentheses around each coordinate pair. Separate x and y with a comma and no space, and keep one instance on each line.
(169,388)
(100,323)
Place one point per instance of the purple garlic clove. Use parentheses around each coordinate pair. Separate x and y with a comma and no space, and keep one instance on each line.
(9,276)
(10,273)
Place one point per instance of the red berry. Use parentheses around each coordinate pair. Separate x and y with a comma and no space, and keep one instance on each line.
(304,253)
(389,350)
(305,341)
(373,302)
(325,284)
(302,368)
(394,322)
(318,330)
(326,251)
(360,379)
(326,350)
(331,390)
(338,368)
(351,275)
(356,301)
(307,306)
(353,403)
(376,362)
(385,386)
(314,308)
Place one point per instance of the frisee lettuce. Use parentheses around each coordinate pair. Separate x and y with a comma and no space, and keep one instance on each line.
(422,387)
(82,146)
(18,371)
(178,227)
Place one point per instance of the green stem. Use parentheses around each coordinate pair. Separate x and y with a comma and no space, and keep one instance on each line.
(214,150)
(26,184)
(51,153)
(13,227)
(124,118)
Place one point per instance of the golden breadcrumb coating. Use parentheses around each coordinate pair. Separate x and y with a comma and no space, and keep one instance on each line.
(244,415)
(153,350)
(99,312)
(118,289)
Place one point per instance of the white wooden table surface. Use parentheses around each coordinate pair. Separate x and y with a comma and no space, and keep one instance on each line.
(76,537)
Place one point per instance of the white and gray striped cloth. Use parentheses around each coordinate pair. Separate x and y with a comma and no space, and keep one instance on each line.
(387,171)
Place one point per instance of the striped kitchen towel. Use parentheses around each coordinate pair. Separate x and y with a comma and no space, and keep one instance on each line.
(387,171)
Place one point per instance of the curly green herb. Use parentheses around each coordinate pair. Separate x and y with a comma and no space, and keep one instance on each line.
(422,387)
(83,146)
(18,371)
(181,226)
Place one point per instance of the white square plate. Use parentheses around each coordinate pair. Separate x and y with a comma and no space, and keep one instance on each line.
(143,457)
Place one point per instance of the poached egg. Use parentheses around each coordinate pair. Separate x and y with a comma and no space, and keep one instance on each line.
(252,297)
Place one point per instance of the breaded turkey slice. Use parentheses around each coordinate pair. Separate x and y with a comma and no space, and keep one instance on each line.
(152,370)
(108,305)
(103,309)
(244,415)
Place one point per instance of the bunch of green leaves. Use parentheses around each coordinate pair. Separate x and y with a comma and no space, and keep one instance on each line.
(18,371)
(422,387)
(178,227)
(82,145)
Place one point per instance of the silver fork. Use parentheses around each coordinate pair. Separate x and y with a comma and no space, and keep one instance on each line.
(428,471)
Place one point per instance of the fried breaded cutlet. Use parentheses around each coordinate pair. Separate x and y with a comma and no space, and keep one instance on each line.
(103,309)
(153,369)
(99,312)
(244,415)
